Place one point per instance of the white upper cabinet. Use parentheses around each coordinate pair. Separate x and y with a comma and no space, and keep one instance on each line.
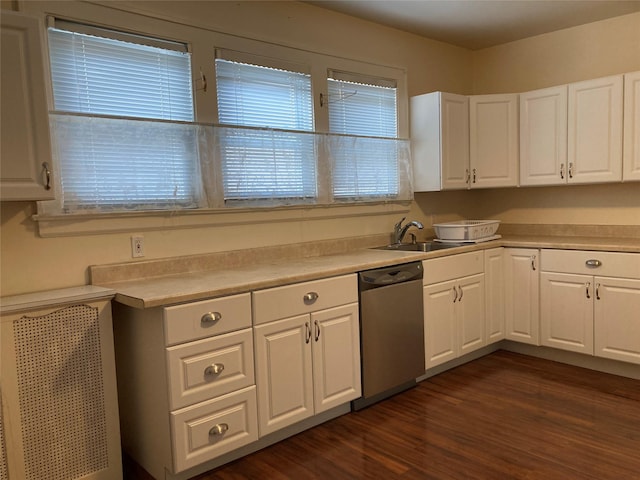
(595,130)
(493,134)
(631,160)
(25,171)
(543,136)
(440,141)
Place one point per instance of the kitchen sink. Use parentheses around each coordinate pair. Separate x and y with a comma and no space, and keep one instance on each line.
(417,247)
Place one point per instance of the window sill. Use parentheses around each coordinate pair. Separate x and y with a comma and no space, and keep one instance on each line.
(104,223)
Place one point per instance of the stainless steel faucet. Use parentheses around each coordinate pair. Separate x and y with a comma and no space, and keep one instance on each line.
(399,231)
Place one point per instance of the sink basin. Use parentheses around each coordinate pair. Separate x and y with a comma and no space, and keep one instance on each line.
(417,247)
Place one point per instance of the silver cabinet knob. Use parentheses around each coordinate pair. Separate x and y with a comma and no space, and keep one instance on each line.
(310,298)
(210,318)
(214,369)
(218,429)
(593,263)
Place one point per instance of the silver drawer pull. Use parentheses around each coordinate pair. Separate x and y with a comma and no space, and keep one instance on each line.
(593,263)
(218,429)
(214,369)
(210,317)
(310,298)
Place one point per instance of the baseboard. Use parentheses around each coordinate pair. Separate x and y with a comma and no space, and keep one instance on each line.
(604,365)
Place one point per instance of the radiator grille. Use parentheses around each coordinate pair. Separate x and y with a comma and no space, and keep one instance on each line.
(60,389)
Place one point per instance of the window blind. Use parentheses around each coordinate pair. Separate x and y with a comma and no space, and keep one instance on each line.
(114,163)
(365,167)
(265,164)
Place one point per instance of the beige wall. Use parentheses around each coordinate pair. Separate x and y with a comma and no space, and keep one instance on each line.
(31,263)
(580,53)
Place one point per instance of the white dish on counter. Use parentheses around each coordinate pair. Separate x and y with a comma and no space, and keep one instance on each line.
(475,240)
(466,229)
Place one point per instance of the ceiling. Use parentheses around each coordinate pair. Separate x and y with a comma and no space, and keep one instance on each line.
(476,24)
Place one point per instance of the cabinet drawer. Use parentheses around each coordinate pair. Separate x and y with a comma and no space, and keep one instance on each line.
(183,323)
(449,268)
(288,301)
(209,429)
(612,264)
(192,367)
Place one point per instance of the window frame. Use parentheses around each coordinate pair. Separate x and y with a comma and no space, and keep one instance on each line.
(201,40)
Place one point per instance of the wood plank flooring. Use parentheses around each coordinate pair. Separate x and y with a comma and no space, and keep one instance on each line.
(503,416)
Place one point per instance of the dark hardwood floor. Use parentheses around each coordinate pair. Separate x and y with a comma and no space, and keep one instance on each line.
(504,416)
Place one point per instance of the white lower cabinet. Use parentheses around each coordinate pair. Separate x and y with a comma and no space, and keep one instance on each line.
(494,294)
(521,280)
(617,319)
(454,307)
(591,303)
(566,312)
(186,382)
(307,363)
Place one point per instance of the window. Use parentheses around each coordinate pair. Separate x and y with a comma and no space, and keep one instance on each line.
(364,106)
(104,83)
(265,165)
(126,135)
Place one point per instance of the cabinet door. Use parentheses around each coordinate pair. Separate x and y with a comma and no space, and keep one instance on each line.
(521,295)
(617,319)
(631,148)
(543,136)
(284,378)
(493,134)
(440,141)
(440,337)
(336,357)
(24,138)
(566,312)
(470,313)
(595,130)
(494,294)
(454,139)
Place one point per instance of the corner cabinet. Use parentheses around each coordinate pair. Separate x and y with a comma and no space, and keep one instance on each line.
(25,168)
(631,148)
(307,339)
(59,402)
(595,130)
(440,141)
(454,315)
(591,303)
(493,136)
(543,137)
(522,291)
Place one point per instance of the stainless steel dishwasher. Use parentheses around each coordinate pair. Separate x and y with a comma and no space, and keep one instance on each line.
(391,331)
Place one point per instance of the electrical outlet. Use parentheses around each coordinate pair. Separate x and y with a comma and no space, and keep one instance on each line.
(137,246)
